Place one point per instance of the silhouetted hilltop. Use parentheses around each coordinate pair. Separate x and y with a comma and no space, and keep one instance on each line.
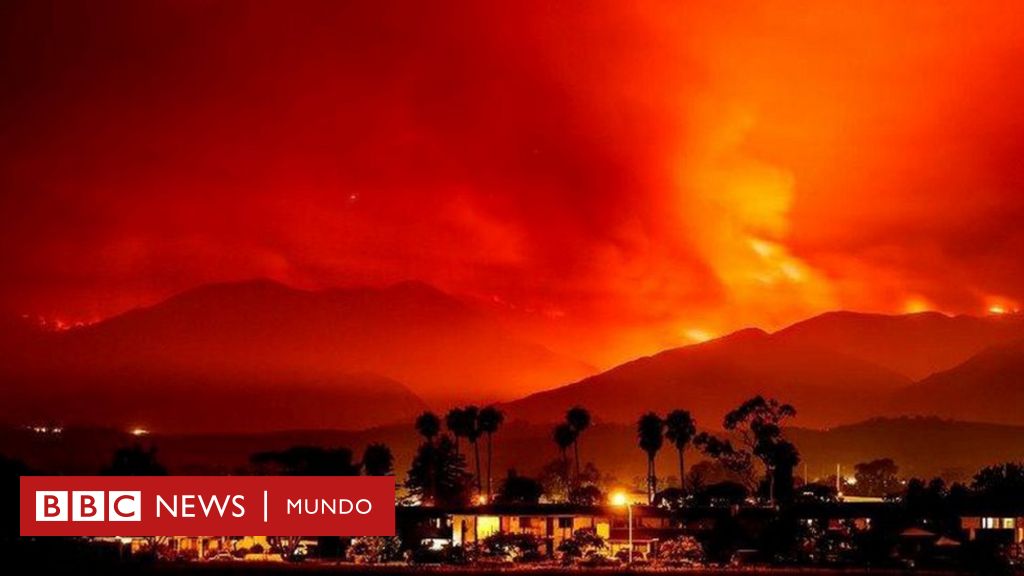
(711,378)
(230,344)
(987,387)
(915,345)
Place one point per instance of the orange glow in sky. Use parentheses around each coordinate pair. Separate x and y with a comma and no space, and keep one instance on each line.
(613,178)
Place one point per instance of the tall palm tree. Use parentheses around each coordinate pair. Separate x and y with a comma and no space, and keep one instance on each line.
(471,426)
(564,436)
(578,418)
(378,461)
(649,431)
(680,428)
(428,425)
(455,421)
(488,421)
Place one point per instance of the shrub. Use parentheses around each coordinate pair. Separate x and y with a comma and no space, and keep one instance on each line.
(584,543)
(375,549)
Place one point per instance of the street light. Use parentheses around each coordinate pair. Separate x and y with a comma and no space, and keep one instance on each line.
(620,499)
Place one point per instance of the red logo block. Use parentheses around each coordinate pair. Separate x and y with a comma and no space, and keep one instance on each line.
(182,505)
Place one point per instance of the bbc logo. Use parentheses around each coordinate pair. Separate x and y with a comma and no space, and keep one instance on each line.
(88,506)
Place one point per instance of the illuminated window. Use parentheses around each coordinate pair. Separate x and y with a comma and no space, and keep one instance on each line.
(487,525)
(999,523)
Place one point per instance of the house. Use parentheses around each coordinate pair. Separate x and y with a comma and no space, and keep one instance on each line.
(550,523)
(1005,527)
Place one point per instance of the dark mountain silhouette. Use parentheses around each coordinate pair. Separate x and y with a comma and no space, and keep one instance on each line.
(915,345)
(347,347)
(828,387)
(987,387)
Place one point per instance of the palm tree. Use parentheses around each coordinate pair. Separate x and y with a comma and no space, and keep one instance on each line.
(455,421)
(564,437)
(378,461)
(429,426)
(649,434)
(578,418)
(680,429)
(488,421)
(471,426)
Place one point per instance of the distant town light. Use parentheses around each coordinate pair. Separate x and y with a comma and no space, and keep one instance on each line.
(139,431)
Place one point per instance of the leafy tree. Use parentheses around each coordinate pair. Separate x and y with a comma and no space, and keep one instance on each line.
(585,494)
(877,477)
(428,425)
(1001,485)
(307,461)
(721,494)
(516,489)
(758,425)
(378,460)
(649,431)
(739,463)
(578,418)
(680,428)
(488,422)
(135,461)
(438,474)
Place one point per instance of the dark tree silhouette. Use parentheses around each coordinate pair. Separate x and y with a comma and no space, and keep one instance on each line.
(877,478)
(11,471)
(489,421)
(758,422)
(378,460)
(428,425)
(649,431)
(564,437)
(472,415)
(135,461)
(1001,485)
(438,474)
(307,461)
(737,462)
(680,428)
(578,418)
(459,425)
(516,489)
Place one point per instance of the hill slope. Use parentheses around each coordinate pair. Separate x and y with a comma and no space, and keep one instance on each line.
(230,344)
(987,387)
(711,378)
(915,345)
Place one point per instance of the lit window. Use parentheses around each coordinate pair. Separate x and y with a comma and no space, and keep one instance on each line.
(487,525)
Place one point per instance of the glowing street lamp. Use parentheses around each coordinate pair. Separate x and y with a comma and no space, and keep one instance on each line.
(620,499)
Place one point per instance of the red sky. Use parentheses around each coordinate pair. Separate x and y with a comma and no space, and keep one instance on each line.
(622,176)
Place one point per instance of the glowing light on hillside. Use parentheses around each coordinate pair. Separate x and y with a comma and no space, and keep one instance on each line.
(916,305)
(697,335)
